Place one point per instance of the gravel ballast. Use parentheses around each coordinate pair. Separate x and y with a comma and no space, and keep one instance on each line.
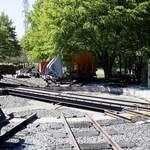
(52,135)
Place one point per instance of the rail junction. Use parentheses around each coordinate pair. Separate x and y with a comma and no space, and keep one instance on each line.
(115,108)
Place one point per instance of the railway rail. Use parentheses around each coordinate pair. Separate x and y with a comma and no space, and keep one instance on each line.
(99,129)
(108,99)
(104,133)
(89,103)
(67,101)
(77,100)
(6,136)
(108,108)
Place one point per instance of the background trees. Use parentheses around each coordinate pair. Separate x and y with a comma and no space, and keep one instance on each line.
(117,31)
(9,46)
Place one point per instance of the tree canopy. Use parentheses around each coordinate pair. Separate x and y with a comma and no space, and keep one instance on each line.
(9,46)
(111,29)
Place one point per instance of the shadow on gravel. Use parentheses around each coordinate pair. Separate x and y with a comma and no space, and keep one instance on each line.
(112,88)
(20,145)
(104,88)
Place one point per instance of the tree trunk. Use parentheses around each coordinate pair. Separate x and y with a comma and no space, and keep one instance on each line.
(107,71)
(139,69)
(120,65)
(107,63)
(125,65)
(130,65)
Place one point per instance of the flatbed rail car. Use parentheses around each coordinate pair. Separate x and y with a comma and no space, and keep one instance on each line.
(7,69)
(83,65)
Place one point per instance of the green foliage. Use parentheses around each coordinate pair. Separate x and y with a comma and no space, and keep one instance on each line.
(8,43)
(111,29)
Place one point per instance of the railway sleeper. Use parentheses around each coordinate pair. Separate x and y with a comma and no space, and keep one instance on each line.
(86,146)
(6,136)
(85,134)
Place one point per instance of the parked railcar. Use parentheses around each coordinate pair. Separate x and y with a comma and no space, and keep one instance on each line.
(83,65)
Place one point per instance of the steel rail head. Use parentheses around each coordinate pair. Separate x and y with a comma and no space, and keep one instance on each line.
(70,133)
(106,98)
(76,97)
(64,101)
(17,128)
(105,134)
(135,112)
(109,113)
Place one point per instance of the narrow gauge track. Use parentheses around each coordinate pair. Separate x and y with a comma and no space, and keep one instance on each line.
(75,101)
(41,96)
(32,87)
(112,99)
(76,145)
(120,102)
(92,97)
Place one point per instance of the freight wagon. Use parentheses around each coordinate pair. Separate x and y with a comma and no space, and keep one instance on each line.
(83,65)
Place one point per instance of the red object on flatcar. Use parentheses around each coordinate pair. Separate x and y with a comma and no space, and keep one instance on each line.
(42,66)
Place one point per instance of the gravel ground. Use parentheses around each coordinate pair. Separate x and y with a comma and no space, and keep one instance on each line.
(12,101)
(50,136)
(25,81)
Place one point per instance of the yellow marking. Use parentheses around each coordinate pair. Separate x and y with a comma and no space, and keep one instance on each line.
(134,116)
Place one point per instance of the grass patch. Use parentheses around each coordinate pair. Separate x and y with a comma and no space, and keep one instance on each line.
(101,76)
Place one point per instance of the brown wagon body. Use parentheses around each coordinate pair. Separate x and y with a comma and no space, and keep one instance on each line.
(83,65)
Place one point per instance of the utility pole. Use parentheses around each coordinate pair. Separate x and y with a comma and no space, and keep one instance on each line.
(25,12)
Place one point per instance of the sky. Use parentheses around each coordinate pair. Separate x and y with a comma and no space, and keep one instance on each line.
(13,8)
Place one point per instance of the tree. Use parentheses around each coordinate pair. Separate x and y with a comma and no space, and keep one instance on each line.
(9,46)
(108,28)
(135,45)
(37,40)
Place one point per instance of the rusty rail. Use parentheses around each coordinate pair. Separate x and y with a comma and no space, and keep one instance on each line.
(77,97)
(105,134)
(17,128)
(135,112)
(72,138)
(109,113)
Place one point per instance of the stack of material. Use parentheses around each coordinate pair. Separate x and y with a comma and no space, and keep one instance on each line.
(27,72)
(7,69)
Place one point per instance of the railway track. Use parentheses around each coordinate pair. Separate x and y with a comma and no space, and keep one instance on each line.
(78,100)
(9,134)
(34,88)
(99,131)
(62,100)
(111,107)
(110,99)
